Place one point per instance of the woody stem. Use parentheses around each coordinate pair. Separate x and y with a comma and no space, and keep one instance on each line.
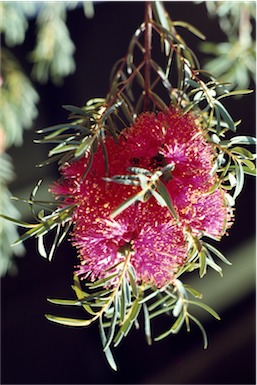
(147,55)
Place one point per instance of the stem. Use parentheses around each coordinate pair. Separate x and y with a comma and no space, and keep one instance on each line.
(147,56)
(116,289)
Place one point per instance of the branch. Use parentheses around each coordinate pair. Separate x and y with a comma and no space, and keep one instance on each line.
(147,56)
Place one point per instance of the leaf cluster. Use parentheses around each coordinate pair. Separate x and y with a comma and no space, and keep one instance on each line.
(48,219)
(118,302)
(151,185)
(232,163)
(8,231)
(234,59)
(52,55)
(18,101)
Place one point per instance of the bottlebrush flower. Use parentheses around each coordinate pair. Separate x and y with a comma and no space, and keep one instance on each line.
(156,240)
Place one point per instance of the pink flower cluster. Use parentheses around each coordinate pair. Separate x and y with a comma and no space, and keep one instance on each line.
(156,240)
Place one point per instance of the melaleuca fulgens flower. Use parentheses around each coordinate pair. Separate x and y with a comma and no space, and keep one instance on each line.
(143,186)
(156,239)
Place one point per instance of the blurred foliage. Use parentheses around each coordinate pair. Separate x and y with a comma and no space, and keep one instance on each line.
(235,59)
(18,100)
(14,20)
(51,59)
(8,230)
(53,53)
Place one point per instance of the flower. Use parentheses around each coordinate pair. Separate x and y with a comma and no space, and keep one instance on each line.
(157,140)
(156,240)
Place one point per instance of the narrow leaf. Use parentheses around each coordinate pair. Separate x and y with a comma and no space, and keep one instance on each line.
(19,223)
(193,291)
(217,253)
(107,352)
(242,151)
(235,92)
(166,196)
(205,307)
(68,302)
(226,116)
(198,323)
(242,139)
(174,329)
(124,205)
(112,327)
(190,28)
(68,321)
(147,325)
(240,179)
(75,109)
(202,261)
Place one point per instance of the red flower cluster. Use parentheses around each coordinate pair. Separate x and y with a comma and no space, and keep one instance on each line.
(156,240)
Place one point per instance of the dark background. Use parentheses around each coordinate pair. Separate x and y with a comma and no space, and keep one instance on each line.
(35,351)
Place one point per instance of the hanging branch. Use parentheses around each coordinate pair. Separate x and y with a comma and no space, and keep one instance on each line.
(134,237)
(147,56)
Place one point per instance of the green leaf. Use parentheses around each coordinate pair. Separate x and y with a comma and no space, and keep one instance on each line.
(240,179)
(129,321)
(112,327)
(205,307)
(217,253)
(198,323)
(50,160)
(203,264)
(31,233)
(158,101)
(103,281)
(41,246)
(75,109)
(166,197)
(81,295)
(68,321)
(123,301)
(214,266)
(192,83)
(59,238)
(84,146)
(242,151)
(59,128)
(110,110)
(150,296)
(147,325)
(124,205)
(193,291)
(174,329)
(242,139)
(164,21)
(107,352)
(233,93)
(62,148)
(249,171)
(133,284)
(19,223)
(166,308)
(65,302)
(190,28)
(218,118)
(162,75)
(178,307)
(225,115)
(250,165)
